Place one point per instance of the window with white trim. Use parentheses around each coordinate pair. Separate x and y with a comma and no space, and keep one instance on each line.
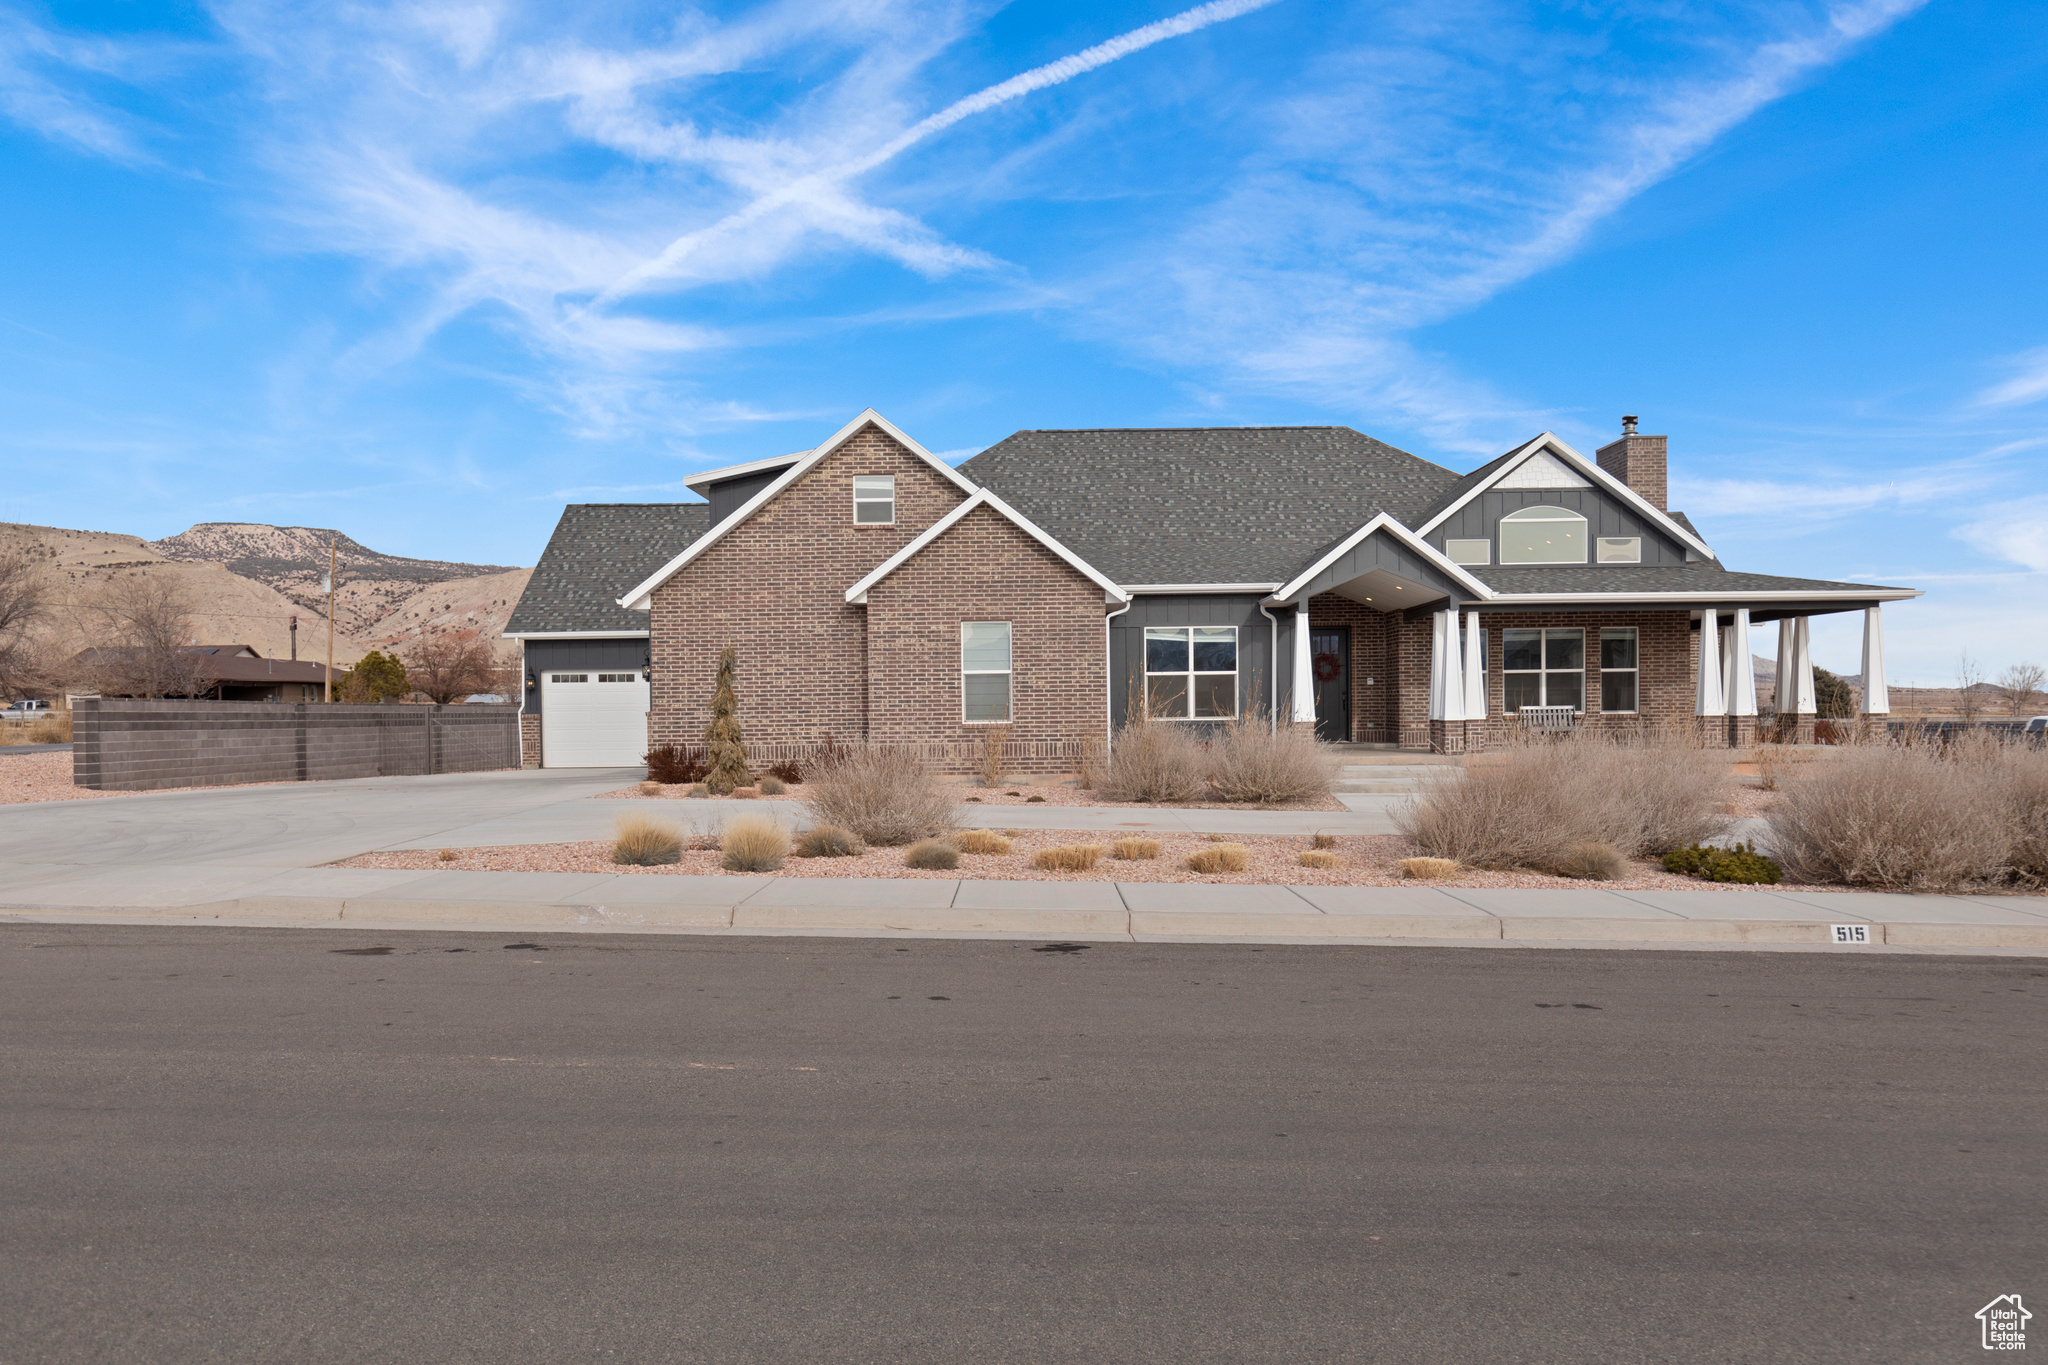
(1191,672)
(985,672)
(1543,535)
(874,499)
(1469,551)
(1619,550)
(1618,668)
(1542,668)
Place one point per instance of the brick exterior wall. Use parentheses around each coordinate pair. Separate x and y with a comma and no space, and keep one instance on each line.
(529,741)
(122,745)
(1639,462)
(985,569)
(775,587)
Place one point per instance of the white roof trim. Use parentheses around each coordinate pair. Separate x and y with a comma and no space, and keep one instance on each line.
(857,595)
(1709,597)
(697,482)
(640,597)
(1600,477)
(575,634)
(1382,522)
(1199,587)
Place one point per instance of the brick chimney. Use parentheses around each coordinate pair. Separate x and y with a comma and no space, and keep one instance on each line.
(1637,461)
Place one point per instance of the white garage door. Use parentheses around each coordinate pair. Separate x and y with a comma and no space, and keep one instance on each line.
(593,720)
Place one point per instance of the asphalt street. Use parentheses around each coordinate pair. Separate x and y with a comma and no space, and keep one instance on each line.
(298,1145)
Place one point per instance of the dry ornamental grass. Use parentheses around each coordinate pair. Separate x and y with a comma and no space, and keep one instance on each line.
(827,841)
(1220,858)
(982,841)
(1318,858)
(1430,869)
(1068,858)
(932,855)
(1252,760)
(646,842)
(1591,862)
(752,843)
(1135,850)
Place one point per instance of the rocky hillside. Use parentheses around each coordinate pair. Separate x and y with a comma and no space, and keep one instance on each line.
(246,582)
(372,587)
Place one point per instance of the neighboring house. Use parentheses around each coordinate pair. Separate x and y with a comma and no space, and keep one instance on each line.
(1061,579)
(216,673)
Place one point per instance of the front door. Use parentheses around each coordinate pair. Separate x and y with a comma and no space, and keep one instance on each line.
(1329,654)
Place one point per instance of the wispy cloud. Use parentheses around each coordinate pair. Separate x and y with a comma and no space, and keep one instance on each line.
(35,92)
(2026,383)
(2017,532)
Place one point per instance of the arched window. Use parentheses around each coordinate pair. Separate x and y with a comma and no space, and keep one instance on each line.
(1543,535)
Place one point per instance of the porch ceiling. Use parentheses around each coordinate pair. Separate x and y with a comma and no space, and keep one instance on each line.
(1386,591)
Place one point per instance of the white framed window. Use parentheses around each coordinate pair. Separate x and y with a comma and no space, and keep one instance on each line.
(1469,551)
(1618,668)
(1619,550)
(874,499)
(1191,672)
(1543,535)
(985,672)
(568,677)
(1542,668)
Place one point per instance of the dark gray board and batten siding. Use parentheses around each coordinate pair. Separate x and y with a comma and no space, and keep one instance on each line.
(1254,644)
(1479,519)
(728,496)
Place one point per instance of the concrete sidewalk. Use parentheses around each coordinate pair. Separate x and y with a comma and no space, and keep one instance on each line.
(1142,911)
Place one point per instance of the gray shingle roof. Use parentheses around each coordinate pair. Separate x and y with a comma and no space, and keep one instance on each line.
(1706,577)
(1205,504)
(598,551)
(1459,489)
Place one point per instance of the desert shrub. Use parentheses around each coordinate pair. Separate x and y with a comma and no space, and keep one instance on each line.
(932,855)
(725,746)
(753,843)
(2025,780)
(827,841)
(1155,761)
(884,795)
(644,841)
(650,788)
(1135,850)
(1067,858)
(1326,840)
(1319,858)
(1916,818)
(746,793)
(698,790)
(1738,864)
(770,785)
(1430,869)
(788,772)
(1591,862)
(989,760)
(673,765)
(449,855)
(1251,760)
(54,729)
(1220,858)
(982,841)
(1528,806)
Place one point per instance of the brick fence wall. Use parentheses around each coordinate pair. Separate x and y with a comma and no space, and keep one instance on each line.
(122,745)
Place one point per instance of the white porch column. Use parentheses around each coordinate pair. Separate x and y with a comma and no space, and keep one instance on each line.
(1795,668)
(1877,698)
(1446,675)
(1436,665)
(1475,668)
(1304,668)
(1707,699)
(1742,696)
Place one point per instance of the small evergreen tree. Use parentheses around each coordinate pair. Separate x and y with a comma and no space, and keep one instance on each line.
(375,678)
(1833,699)
(725,747)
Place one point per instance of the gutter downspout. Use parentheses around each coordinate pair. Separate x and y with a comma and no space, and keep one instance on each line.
(1273,675)
(1108,713)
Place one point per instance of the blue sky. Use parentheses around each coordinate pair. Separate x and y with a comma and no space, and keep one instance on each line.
(425,272)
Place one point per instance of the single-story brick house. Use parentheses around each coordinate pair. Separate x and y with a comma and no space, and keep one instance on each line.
(1061,578)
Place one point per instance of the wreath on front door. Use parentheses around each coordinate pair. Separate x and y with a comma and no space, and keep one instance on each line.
(1328,666)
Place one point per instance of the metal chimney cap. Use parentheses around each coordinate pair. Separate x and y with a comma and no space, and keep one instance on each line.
(1628,425)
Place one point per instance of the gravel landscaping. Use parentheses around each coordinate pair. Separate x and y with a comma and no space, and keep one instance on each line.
(1365,860)
(41,777)
(1018,794)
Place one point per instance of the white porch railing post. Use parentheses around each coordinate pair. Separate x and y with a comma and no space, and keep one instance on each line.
(1742,696)
(1475,668)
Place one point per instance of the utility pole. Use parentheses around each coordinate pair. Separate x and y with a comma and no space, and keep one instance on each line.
(330,621)
(295,639)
